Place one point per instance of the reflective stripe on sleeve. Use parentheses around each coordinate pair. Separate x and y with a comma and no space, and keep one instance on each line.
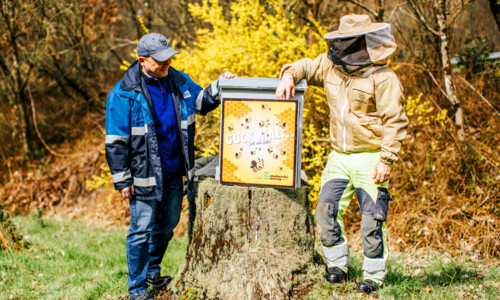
(144,182)
(190,120)
(111,139)
(215,89)
(139,130)
(199,101)
(119,177)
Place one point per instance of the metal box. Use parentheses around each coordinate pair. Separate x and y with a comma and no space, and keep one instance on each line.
(260,136)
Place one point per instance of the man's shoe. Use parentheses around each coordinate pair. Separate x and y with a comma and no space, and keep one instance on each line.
(158,282)
(367,286)
(336,275)
(144,296)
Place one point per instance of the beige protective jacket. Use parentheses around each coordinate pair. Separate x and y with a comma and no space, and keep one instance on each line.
(366,107)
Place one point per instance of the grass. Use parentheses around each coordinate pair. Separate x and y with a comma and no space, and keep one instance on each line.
(431,277)
(69,260)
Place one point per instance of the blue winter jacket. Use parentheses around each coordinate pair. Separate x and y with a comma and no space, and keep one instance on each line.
(131,143)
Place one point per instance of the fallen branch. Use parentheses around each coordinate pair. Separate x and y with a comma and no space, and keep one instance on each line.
(479,94)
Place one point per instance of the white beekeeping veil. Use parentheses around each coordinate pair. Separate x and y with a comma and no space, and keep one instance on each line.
(359,42)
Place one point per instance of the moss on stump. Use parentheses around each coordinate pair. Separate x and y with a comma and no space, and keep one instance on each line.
(248,243)
(9,238)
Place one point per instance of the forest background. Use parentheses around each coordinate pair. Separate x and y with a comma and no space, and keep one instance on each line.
(59,59)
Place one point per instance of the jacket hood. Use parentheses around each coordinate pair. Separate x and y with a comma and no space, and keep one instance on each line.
(132,78)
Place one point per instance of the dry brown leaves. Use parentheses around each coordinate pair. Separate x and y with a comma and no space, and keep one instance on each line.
(58,188)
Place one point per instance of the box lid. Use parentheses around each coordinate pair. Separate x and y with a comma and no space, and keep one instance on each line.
(257,83)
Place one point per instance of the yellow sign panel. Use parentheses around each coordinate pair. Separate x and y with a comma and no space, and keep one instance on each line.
(258,142)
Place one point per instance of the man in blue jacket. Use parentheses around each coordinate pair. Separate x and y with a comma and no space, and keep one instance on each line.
(150,128)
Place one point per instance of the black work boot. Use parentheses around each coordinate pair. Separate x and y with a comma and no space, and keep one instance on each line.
(367,286)
(336,275)
(144,296)
(158,282)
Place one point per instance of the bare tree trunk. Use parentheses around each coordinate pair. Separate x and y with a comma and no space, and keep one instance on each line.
(495,10)
(443,26)
(23,61)
(249,243)
(440,10)
(24,127)
(133,11)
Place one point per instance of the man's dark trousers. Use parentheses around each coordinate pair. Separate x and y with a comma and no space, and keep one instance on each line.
(152,226)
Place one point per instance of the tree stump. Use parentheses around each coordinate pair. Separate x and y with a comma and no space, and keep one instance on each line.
(9,238)
(248,243)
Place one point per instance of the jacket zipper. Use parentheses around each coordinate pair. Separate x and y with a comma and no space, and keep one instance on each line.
(342,115)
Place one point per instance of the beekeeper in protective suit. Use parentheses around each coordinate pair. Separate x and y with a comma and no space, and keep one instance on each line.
(367,125)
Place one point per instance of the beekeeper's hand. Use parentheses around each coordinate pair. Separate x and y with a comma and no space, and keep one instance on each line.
(286,86)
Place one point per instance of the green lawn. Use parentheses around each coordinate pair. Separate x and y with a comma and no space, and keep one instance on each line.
(432,277)
(69,260)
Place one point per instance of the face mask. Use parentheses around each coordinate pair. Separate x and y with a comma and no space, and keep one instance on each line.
(349,52)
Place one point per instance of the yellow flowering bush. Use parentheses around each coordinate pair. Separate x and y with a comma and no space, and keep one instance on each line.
(103,180)
(422,109)
(257,41)
(143,26)
(392,66)
(419,111)
(441,116)
(125,64)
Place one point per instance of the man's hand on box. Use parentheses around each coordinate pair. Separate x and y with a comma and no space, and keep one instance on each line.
(228,75)
(286,86)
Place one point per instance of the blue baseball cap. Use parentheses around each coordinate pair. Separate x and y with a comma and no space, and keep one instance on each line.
(156,46)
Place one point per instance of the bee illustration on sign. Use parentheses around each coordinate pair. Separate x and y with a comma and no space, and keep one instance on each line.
(257,165)
(255,144)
